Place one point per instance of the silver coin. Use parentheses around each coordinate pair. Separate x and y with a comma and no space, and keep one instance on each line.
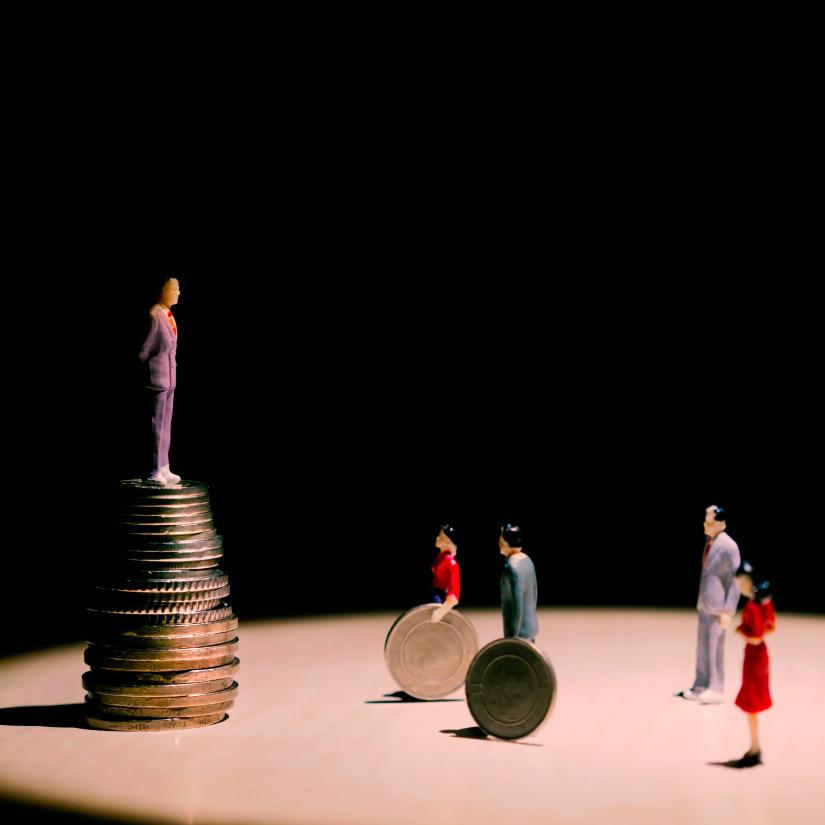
(156,506)
(109,723)
(97,652)
(106,618)
(135,691)
(141,566)
(428,659)
(165,642)
(120,599)
(156,665)
(158,713)
(511,688)
(162,545)
(125,632)
(125,575)
(164,677)
(190,700)
(167,584)
(174,519)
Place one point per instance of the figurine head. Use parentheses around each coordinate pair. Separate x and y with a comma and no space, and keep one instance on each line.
(752,584)
(510,539)
(715,520)
(170,292)
(447,539)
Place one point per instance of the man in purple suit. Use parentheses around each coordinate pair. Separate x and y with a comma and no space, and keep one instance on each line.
(159,354)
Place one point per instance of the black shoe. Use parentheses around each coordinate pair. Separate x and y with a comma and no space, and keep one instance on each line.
(749,760)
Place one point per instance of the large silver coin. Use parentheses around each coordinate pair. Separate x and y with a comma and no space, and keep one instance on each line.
(94,685)
(100,722)
(190,700)
(184,616)
(427,659)
(157,677)
(511,688)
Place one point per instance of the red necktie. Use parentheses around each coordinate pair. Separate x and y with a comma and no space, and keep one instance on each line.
(172,321)
(706,550)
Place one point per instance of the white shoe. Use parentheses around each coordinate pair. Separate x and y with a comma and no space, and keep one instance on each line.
(689,694)
(157,477)
(169,476)
(711,697)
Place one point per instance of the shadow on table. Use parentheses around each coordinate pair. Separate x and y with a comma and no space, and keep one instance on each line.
(45,716)
(478,733)
(402,696)
(30,813)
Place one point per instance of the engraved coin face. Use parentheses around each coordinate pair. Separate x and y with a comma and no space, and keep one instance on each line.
(426,659)
(511,688)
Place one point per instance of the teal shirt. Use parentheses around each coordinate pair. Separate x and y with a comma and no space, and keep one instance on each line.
(519,593)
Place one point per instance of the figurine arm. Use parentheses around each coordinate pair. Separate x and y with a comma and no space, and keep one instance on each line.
(512,604)
(150,344)
(728,574)
(451,599)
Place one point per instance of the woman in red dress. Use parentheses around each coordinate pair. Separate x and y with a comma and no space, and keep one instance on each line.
(758,619)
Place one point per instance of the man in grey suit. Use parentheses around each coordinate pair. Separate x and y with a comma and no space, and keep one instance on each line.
(159,353)
(519,591)
(718,598)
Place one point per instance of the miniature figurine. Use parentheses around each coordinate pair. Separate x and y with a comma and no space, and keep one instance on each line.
(758,619)
(518,586)
(159,354)
(446,573)
(718,597)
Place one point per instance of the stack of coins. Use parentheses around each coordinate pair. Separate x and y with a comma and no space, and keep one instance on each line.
(162,635)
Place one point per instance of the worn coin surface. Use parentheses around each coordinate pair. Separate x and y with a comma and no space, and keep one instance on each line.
(191,700)
(93,684)
(183,676)
(110,618)
(153,713)
(427,659)
(100,722)
(511,688)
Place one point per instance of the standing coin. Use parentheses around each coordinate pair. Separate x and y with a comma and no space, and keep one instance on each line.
(427,659)
(511,688)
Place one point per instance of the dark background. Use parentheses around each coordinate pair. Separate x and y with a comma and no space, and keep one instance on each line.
(340,417)
(595,316)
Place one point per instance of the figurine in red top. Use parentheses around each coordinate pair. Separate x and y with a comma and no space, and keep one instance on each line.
(446,575)
(758,619)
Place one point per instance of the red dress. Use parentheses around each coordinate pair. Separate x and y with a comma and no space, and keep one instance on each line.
(755,695)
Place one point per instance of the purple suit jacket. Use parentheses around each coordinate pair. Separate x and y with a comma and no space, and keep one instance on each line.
(159,351)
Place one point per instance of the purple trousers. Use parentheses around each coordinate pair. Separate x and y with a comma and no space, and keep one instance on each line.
(162,401)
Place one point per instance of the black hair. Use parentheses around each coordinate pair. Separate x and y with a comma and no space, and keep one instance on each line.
(720,513)
(451,533)
(762,588)
(512,534)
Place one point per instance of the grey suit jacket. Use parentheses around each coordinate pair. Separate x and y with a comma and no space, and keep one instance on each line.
(718,591)
(159,351)
(518,597)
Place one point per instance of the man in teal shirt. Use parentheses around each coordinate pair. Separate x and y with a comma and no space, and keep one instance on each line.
(518,586)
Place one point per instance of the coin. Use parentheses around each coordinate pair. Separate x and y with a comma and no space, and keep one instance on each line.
(190,700)
(95,685)
(157,665)
(172,519)
(140,566)
(186,676)
(167,585)
(133,603)
(181,530)
(428,659)
(152,713)
(510,687)
(163,545)
(119,652)
(127,575)
(166,642)
(100,722)
(181,617)
(135,488)
(125,632)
